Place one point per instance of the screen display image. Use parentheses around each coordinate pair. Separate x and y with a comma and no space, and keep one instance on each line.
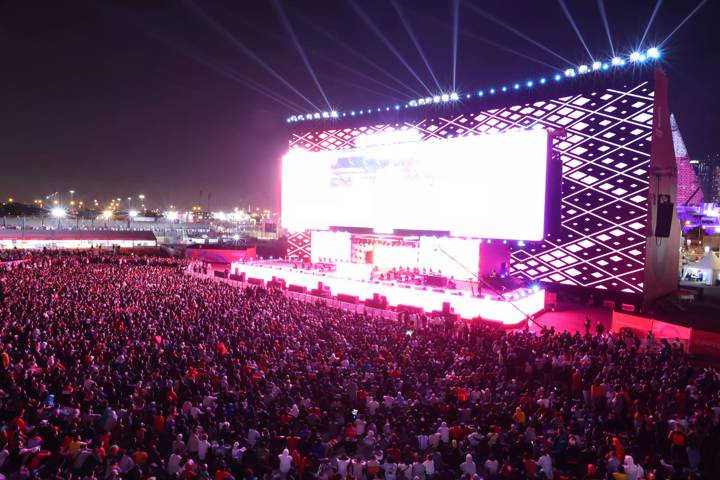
(448,185)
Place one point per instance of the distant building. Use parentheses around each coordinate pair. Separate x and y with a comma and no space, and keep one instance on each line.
(689,191)
(708,173)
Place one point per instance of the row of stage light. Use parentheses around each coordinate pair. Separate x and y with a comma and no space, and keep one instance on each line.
(616,62)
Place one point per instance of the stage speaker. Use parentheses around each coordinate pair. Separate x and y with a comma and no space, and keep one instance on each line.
(664,216)
(446,307)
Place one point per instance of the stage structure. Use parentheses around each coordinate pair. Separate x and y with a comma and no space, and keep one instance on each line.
(567,181)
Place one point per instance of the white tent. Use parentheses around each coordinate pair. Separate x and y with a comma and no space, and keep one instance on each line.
(705,270)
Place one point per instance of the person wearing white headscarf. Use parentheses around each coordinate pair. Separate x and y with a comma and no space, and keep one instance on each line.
(444,432)
(173,465)
(545,465)
(468,467)
(285,461)
(632,470)
(237,452)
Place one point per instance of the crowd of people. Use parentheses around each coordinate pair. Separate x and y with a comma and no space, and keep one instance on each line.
(12,255)
(137,368)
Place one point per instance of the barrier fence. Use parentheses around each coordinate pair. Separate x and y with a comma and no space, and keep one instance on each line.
(358,308)
(697,342)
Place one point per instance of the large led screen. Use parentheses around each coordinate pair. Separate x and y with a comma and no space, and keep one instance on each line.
(449,185)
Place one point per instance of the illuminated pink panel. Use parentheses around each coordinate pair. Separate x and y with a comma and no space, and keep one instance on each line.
(467,306)
(450,185)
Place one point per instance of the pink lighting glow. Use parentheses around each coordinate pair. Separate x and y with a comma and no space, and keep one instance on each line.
(451,184)
(464,304)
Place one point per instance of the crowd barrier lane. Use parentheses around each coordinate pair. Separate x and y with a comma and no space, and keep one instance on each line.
(706,343)
(640,326)
(303,297)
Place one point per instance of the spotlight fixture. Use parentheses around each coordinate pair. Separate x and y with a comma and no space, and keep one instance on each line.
(652,53)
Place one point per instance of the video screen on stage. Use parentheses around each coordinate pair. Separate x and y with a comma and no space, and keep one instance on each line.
(468,186)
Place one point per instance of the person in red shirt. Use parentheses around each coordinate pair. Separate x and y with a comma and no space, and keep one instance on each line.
(292,442)
(285,419)
(350,433)
(222,473)
(159,423)
(394,453)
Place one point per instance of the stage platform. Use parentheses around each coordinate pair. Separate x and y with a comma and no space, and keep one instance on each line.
(511,308)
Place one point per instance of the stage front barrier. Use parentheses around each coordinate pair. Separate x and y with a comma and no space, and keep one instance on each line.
(641,326)
(512,310)
(235,280)
(348,307)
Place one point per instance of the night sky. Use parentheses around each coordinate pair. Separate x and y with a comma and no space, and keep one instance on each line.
(113,99)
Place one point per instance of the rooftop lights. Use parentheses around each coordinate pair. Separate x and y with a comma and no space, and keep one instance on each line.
(636,57)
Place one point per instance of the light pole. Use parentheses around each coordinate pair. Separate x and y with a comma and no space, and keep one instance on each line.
(59,213)
(131,214)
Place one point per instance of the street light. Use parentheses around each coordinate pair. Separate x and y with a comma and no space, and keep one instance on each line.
(131,214)
(59,213)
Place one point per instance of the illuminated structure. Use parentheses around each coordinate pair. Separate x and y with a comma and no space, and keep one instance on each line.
(613,139)
(689,191)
